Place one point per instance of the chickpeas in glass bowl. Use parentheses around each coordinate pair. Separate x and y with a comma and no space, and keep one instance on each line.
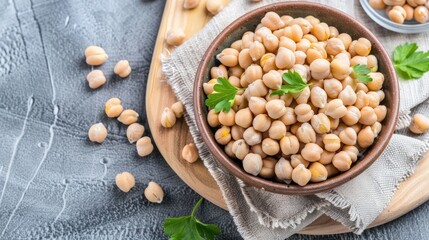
(402,16)
(296,98)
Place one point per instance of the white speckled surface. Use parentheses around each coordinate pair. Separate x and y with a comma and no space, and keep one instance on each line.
(53,182)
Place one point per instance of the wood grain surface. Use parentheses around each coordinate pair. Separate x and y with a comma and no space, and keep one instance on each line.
(412,192)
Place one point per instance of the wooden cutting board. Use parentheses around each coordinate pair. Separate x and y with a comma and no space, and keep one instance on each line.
(170,142)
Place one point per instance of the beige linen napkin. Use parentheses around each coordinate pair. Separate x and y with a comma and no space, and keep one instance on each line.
(263,215)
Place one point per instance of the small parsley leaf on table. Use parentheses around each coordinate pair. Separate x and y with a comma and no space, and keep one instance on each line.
(222,97)
(295,84)
(410,63)
(361,72)
(189,227)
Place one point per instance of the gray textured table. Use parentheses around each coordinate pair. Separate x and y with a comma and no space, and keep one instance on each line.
(53,182)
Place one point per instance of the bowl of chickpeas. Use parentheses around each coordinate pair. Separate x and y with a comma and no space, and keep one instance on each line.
(403,16)
(296,98)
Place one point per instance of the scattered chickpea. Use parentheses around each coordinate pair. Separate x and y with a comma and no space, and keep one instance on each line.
(178,109)
(168,118)
(125,181)
(95,55)
(190,153)
(214,6)
(154,192)
(113,107)
(97,133)
(175,37)
(135,131)
(122,68)
(144,146)
(420,124)
(96,79)
(190,4)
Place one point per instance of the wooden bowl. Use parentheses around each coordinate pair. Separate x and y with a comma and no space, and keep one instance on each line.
(344,23)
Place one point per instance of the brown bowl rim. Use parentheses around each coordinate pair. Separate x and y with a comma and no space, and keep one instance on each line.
(278,187)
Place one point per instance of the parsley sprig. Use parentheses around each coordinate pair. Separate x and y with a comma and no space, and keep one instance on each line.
(223,96)
(189,227)
(295,84)
(410,63)
(361,73)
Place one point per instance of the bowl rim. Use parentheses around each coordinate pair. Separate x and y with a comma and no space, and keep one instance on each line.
(278,187)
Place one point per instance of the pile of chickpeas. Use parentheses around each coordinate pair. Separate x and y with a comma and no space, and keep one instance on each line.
(302,137)
(400,10)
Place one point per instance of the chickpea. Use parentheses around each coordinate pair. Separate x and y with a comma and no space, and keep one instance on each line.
(409,12)
(310,38)
(237,132)
(289,117)
(348,96)
(333,32)
(303,23)
(253,73)
(168,118)
(342,161)
(351,49)
(302,97)
(377,81)
(332,87)
(219,71)
(326,157)
(268,165)
(312,20)
(228,149)
(144,146)
(134,132)
(267,62)
(228,57)
(320,68)
(300,57)
(316,51)
(368,116)
(335,109)
(319,97)
(396,15)
(260,33)
(257,105)
(175,37)
(362,99)
(214,6)
(129,116)
(334,123)
(97,133)
(283,170)
(421,14)
(420,124)
(223,135)
(208,87)
(303,45)
(190,4)
(287,43)
(270,147)
(318,172)
(289,144)
(122,68)
(303,112)
(236,72)
(334,46)
(272,21)
(377,4)
(286,19)
(285,58)
(154,193)
(247,39)
(352,151)
(366,137)
(275,108)
(297,159)
(346,39)
(277,130)
(340,69)
(332,142)
(125,181)
(352,116)
(261,123)
(243,118)
(240,149)
(252,164)
(294,32)
(294,128)
(113,107)
(95,55)
(348,136)
(358,60)
(178,109)
(96,79)
(252,137)
(414,3)
(271,42)
(376,128)
(381,112)
(258,150)
(287,98)
(213,119)
(363,47)
(227,118)
(332,170)
(301,175)
(321,31)
(311,152)
(321,123)
(256,50)
(306,134)
(374,99)
(273,79)
(344,56)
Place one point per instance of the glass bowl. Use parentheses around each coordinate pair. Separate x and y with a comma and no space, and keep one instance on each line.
(380,17)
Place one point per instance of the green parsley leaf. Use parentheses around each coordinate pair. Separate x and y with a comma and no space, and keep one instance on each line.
(189,227)
(222,97)
(361,73)
(410,63)
(295,84)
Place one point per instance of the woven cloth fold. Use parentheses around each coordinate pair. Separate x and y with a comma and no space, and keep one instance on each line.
(263,215)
